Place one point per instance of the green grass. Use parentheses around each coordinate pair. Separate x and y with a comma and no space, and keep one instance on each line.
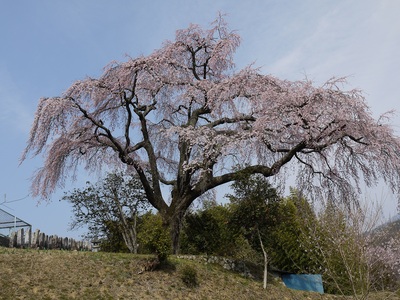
(34,274)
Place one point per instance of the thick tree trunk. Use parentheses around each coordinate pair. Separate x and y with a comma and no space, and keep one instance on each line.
(175,225)
(175,237)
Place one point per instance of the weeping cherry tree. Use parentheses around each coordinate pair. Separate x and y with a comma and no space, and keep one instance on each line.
(185,120)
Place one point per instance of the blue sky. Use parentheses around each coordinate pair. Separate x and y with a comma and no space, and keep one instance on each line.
(46,45)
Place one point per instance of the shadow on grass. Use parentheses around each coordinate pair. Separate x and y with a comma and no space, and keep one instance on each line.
(166,266)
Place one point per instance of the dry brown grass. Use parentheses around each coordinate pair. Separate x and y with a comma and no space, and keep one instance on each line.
(33,274)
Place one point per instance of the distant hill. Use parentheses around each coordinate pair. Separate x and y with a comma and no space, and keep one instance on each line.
(387,231)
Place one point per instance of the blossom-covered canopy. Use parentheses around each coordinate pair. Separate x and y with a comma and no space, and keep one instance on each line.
(184,117)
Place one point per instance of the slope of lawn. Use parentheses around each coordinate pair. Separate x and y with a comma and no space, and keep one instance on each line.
(53,274)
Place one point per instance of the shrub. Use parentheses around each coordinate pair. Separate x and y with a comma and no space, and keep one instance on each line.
(189,276)
(153,237)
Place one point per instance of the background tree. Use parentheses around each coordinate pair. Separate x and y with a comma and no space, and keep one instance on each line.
(111,238)
(296,215)
(207,231)
(254,215)
(254,206)
(110,208)
(183,117)
(383,255)
(383,262)
(351,258)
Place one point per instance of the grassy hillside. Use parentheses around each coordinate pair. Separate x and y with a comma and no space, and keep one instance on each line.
(33,274)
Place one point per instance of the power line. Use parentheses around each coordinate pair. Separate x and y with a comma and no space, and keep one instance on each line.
(19,199)
(11,201)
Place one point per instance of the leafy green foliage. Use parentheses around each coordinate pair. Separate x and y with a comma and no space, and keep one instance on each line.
(254,206)
(287,252)
(113,240)
(207,232)
(153,237)
(189,276)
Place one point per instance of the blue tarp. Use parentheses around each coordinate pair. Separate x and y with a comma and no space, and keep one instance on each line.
(304,282)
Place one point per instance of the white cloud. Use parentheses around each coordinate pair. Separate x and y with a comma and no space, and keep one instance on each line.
(359,39)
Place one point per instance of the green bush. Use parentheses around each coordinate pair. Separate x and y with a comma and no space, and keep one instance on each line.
(189,276)
(153,237)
